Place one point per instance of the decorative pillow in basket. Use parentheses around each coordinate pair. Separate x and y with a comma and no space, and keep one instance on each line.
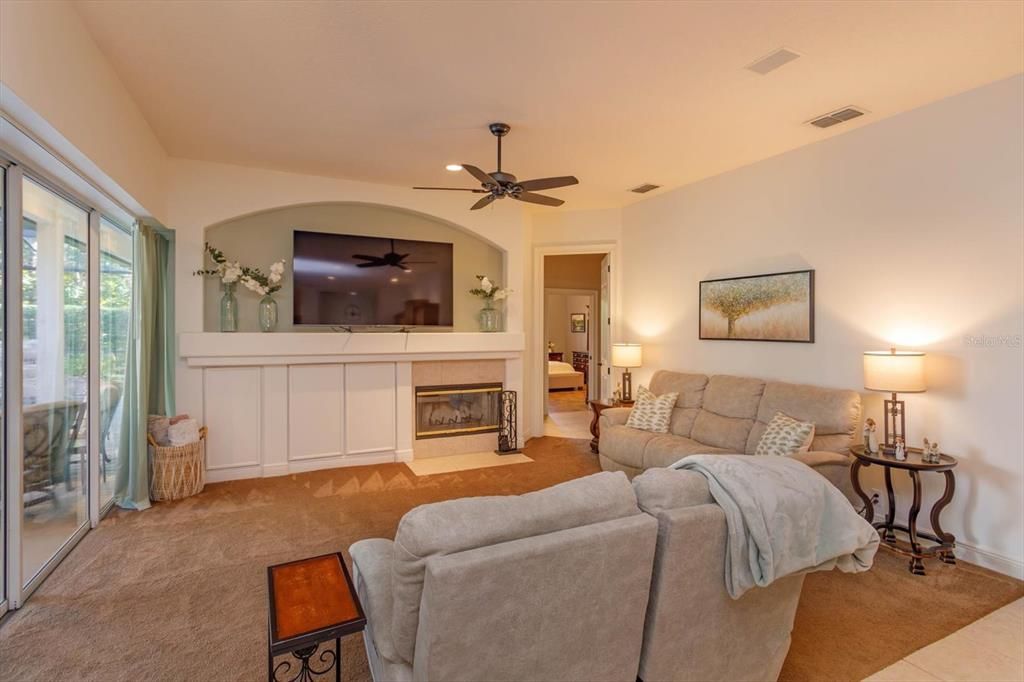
(177,471)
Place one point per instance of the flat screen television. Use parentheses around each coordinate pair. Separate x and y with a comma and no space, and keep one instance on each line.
(352,281)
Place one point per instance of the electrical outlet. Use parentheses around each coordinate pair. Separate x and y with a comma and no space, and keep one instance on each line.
(876,498)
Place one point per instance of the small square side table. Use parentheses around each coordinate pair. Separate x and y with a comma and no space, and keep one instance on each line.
(310,601)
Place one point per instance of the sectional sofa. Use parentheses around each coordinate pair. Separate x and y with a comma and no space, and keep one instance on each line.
(594,579)
(726,415)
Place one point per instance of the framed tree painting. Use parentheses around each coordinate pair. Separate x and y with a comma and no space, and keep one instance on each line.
(578,323)
(776,307)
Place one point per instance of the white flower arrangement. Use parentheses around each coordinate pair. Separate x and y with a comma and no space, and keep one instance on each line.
(253,279)
(489,291)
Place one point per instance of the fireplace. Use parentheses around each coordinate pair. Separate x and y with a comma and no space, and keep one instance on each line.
(457,410)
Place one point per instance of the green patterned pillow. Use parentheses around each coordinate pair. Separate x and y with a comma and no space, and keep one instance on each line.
(785,436)
(652,412)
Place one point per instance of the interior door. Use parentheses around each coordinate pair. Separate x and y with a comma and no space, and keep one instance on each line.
(604,385)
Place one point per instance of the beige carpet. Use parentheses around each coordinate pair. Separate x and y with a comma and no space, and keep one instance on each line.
(178,592)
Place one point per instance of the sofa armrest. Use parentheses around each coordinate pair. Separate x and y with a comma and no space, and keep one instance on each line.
(371,560)
(615,416)
(816,458)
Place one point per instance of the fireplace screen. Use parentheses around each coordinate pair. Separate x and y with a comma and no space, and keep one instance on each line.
(443,411)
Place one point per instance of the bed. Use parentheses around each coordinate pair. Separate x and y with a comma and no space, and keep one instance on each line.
(562,377)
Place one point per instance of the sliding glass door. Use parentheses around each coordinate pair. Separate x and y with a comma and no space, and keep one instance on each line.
(116,263)
(55,375)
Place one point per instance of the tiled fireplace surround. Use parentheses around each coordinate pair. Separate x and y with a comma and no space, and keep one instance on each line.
(455,373)
(284,403)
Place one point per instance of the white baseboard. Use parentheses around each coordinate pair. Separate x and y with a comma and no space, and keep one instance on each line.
(991,560)
(403,455)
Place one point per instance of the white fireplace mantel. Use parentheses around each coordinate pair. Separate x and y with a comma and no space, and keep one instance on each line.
(282,403)
(214,349)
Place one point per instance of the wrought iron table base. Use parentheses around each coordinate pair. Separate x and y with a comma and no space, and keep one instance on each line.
(945,542)
(307,671)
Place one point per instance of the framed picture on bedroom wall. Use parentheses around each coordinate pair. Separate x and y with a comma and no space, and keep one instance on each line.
(578,323)
(775,307)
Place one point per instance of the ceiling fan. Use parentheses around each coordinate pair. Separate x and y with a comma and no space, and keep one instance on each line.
(498,185)
(391,258)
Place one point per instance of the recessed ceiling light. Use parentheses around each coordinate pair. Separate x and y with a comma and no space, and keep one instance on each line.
(352,293)
(330,276)
(394,279)
(453,167)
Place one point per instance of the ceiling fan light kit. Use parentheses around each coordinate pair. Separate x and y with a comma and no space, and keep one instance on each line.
(499,184)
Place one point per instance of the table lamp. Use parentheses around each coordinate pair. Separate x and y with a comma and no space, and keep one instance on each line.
(894,372)
(627,356)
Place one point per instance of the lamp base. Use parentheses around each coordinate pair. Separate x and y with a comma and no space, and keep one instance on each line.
(895,423)
(627,387)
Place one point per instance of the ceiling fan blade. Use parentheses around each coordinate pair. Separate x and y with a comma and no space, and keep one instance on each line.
(369,258)
(548,183)
(483,202)
(532,198)
(484,178)
(455,189)
(371,265)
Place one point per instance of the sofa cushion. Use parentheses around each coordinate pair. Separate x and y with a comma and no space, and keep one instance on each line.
(690,387)
(659,490)
(727,433)
(834,412)
(662,451)
(682,420)
(468,523)
(652,412)
(624,445)
(737,397)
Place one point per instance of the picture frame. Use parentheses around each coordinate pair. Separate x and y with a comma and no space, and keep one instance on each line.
(578,323)
(775,307)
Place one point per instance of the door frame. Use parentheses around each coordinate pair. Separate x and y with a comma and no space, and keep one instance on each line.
(536,359)
(594,295)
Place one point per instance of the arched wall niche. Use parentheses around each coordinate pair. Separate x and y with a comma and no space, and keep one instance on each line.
(258,239)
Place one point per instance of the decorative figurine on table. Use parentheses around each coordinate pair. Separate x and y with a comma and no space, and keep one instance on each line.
(870,438)
(901,450)
(617,395)
(930,453)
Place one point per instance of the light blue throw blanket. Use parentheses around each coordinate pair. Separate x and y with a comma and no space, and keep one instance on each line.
(783,518)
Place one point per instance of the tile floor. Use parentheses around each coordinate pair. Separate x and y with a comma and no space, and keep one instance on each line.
(990,649)
(428,466)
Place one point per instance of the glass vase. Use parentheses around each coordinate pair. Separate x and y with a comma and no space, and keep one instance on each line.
(229,309)
(268,313)
(489,318)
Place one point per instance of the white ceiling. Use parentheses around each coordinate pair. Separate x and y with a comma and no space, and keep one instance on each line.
(617,93)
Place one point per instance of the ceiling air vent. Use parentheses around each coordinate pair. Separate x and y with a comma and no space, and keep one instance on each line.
(780,57)
(836,117)
(645,188)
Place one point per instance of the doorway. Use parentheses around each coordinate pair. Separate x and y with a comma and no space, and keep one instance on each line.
(576,332)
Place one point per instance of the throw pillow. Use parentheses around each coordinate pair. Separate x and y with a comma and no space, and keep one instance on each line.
(652,412)
(785,436)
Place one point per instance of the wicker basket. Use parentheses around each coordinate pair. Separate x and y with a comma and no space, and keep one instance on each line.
(177,471)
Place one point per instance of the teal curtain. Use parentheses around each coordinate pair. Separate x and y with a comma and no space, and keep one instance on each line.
(149,380)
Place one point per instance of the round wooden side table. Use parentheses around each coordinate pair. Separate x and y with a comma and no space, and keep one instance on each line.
(599,406)
(913,465)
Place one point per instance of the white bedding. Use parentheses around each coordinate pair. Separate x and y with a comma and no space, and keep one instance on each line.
(556,367)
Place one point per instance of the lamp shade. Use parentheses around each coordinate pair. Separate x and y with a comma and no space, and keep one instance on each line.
(894,371)
(627,355)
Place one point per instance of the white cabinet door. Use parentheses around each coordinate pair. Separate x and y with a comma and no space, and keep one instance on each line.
(231,400)
(370,390)
(316,401)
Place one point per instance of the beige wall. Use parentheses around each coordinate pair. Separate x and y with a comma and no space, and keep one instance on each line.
(49,61)
(260,239)
(557,310)
(915,227)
